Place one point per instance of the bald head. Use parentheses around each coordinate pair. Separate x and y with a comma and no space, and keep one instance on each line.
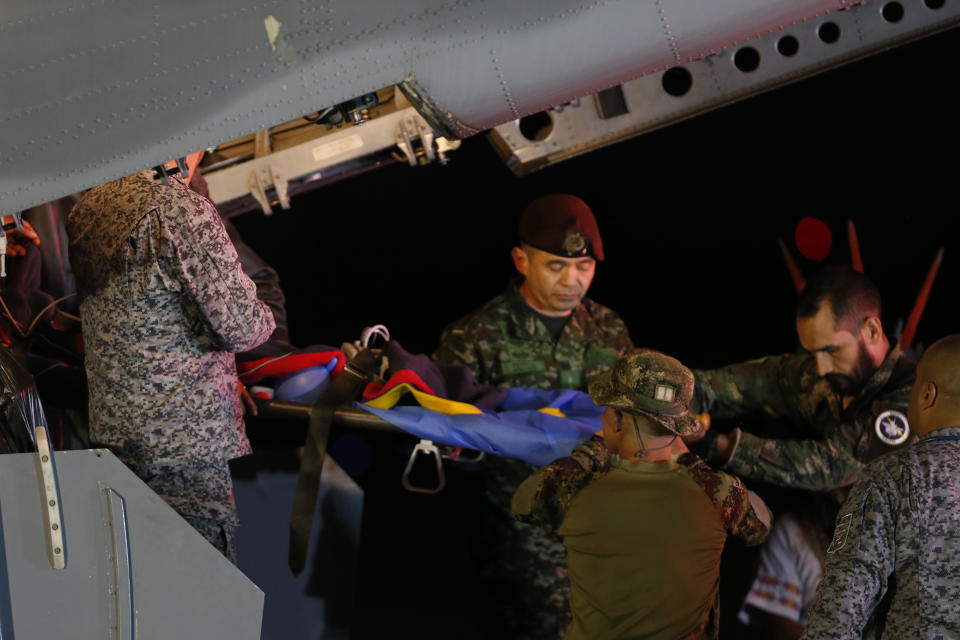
(935,399)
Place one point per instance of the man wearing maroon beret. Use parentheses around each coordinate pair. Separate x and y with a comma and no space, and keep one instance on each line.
(541,332)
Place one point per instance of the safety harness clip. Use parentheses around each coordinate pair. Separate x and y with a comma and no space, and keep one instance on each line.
(424,447)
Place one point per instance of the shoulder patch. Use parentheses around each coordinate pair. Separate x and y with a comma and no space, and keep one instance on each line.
(841,534)
(892,427)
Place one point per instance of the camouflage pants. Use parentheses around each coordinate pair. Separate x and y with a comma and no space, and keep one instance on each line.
(526,568)
(201,493)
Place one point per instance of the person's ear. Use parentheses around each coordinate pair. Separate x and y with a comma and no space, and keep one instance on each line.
(520,260)
(872,330)
(928,395)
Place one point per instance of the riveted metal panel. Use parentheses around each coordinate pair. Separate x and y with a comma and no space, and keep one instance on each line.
(717,80)
(95,90)
(136,568)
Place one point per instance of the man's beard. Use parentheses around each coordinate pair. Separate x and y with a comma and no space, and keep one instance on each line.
(851,384)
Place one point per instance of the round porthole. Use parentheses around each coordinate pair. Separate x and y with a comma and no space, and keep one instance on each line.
(892,12)
(677,81)
(829,32)
(536,126)
(788,46)
(746,59)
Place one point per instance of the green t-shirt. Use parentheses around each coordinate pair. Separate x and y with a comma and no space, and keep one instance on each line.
(643,548)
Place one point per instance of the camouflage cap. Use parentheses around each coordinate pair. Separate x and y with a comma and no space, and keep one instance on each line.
(562,225)
(647,382)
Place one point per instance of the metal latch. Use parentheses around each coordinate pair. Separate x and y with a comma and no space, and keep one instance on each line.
(424,447)
(419,143)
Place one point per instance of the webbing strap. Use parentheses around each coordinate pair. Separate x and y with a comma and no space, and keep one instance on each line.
(346,387)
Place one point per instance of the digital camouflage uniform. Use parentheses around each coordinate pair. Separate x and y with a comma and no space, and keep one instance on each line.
(902,521)
(829,445)
(505,344)
(675,594)
(164,304)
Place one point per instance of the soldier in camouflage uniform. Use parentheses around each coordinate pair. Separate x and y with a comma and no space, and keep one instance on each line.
(542,332)
(644,522)
(840,401)
(899,529)
(164,304)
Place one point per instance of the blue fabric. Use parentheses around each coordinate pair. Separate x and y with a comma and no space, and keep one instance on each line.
(514,430)
(306,385)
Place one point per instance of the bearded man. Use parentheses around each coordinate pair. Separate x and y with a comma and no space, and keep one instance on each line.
(841,401)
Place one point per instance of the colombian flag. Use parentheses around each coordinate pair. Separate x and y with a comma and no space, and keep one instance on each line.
(530,424)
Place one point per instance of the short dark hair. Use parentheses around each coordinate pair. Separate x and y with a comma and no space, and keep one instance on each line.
(852,296)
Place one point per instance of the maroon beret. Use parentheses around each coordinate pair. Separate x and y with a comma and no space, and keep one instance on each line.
(562,225)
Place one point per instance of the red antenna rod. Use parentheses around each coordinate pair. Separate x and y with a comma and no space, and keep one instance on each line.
(906,338)
(795,274)
(855,260)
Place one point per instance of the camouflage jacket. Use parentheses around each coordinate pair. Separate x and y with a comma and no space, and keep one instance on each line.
(828,445)
(624,582)
(164,302)
(546,496)
(506,345)
(902,521)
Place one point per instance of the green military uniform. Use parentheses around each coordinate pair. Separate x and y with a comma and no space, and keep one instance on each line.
(506,344)
(643,536)
(829,445)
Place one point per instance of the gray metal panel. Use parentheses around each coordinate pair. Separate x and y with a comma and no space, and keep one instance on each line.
(716,81)
(90,92)
(181,586)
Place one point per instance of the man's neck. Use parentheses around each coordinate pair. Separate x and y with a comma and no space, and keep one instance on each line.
(881,353)
(655,449)
(654,445)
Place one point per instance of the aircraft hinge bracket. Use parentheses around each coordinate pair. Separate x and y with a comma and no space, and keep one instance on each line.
(263,178)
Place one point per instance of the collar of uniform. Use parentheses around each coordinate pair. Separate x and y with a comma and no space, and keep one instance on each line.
(153,176)
(949,431)
(879,379)
(645,466)
(525,323)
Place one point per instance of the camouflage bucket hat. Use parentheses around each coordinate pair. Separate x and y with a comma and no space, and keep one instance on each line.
(647,382)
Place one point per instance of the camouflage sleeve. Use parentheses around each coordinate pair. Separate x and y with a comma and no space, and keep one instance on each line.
(858,564)
(544,497)
(738,389)
(456,347)
(817,465)
(265,279)
(622,341)
(205,262)
(743,512)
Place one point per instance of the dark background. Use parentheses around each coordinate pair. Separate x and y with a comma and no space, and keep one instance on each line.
(689,215)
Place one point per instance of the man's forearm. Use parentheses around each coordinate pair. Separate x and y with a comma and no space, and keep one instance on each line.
(801,464)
